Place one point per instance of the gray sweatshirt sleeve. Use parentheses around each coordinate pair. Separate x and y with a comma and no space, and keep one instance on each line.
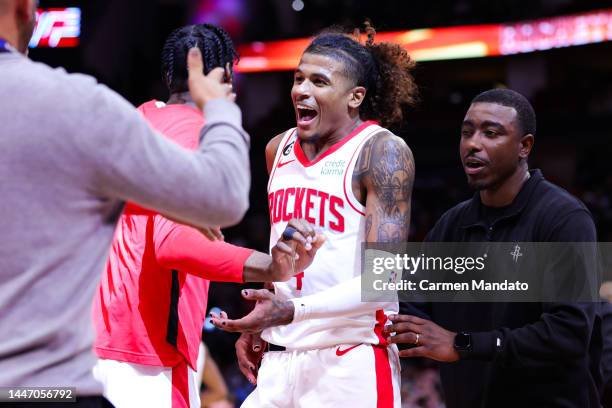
(130,162)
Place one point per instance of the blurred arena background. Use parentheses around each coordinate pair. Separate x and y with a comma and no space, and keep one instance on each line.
(119,42)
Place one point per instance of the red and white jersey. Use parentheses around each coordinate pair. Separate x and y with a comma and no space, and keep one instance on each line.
(320,191)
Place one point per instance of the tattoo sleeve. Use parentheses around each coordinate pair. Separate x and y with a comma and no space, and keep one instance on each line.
(384,173)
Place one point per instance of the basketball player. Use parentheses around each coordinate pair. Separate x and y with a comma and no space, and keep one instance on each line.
(151,304)
(352,179)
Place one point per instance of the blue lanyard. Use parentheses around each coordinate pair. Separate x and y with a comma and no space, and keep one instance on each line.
(4,46)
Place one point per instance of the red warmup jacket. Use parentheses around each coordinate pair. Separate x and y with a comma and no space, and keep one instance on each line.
(151,303)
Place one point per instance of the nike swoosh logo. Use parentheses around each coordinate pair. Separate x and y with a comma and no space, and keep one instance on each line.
(282,164)
(343,352)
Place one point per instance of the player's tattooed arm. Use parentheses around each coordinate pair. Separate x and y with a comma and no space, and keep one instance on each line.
(384,175)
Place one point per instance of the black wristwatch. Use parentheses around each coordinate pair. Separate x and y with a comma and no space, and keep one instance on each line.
(463,344)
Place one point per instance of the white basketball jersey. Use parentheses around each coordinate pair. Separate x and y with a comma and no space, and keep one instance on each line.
(321,192)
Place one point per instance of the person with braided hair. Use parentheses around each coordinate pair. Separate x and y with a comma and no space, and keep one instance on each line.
(343,171)
(217,51)
(151,304)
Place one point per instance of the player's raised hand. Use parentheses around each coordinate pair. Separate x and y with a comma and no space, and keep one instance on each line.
(249,351)
(206,87)
(269,311)
(295,250)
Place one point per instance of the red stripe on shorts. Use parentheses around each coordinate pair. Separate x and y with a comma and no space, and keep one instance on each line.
(381,319)
(180,386)
(384,383)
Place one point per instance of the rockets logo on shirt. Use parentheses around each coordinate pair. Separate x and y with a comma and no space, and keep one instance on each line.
(317,207)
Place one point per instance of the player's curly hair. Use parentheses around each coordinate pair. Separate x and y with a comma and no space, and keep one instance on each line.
(215,44)
(384,69)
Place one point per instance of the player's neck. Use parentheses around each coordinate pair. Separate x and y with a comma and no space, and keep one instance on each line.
(180,98)
(315,148)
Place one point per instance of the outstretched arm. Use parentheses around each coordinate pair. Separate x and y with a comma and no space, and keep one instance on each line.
(184,248)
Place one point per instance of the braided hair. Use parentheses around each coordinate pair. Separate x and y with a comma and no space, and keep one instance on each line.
(384,69)
(215,44)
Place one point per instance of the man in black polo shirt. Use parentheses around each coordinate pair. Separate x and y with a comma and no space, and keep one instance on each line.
(509,354)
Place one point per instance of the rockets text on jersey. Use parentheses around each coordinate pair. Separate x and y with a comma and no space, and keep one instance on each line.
(305,200)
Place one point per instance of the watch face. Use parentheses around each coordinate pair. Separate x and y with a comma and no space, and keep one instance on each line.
(463,341)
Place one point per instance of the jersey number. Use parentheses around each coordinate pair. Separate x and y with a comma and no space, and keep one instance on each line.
(298,279)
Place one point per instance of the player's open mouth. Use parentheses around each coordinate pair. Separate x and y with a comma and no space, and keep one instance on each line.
(474,165)
(305,115)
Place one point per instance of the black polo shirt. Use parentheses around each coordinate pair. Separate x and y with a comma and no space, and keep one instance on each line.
(548,353)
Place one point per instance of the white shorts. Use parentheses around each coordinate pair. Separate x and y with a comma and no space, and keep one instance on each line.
(362,376)
(129,385)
